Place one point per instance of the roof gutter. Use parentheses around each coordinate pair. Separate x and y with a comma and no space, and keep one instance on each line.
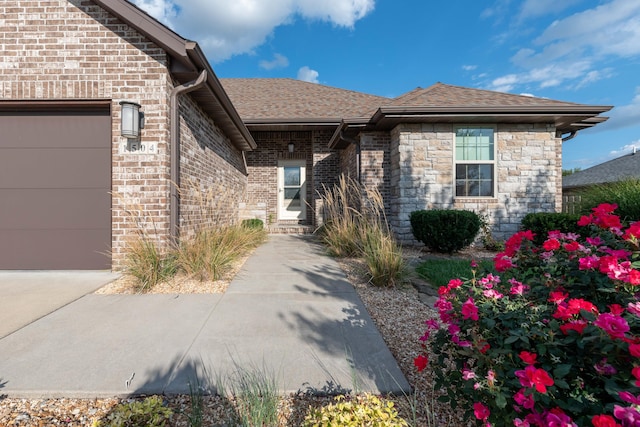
(571,135)
(174,142)
(214,85)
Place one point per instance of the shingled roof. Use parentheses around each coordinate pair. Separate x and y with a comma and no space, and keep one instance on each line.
(612,171)
(444,95)
(282,103)
(282,100)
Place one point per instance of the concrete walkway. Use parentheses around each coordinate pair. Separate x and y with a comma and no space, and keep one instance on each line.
(289,314)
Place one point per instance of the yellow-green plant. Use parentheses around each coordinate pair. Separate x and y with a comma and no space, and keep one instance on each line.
(357,411)
(149,412)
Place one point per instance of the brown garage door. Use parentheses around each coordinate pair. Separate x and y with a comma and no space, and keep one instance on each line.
(55,179)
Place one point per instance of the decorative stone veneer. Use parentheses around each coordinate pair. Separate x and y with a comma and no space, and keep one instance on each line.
(528,173)
(67,50)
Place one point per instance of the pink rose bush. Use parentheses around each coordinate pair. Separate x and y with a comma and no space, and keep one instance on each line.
(554,339)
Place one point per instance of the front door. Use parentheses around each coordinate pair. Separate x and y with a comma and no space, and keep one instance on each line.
(292,190)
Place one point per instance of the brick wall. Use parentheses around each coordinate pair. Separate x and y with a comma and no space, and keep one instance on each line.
(326,170)
(213,180)
(375,164)
(529,175)
(72,50)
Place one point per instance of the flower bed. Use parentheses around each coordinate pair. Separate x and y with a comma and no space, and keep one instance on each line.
(554,340)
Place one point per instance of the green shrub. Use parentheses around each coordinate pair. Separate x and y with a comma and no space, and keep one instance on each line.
(541,223)
(625,194)
(253,223)
(147,413)
(367,410)
(445,230)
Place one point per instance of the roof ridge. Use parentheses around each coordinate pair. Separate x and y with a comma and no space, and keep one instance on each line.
(291,79)
(515,95)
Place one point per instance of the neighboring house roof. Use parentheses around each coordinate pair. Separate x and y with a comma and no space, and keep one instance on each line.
(264,101)
(186,65)
(614,170)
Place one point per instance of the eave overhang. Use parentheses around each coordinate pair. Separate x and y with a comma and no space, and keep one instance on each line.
(566,118)
(186,63)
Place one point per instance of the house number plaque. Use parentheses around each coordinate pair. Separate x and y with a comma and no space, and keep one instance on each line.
(138,147)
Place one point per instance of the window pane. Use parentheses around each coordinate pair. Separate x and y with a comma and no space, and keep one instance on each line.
(291,175)
(292,197)
(474,180)
(485,171)
(486,188)
(474,144)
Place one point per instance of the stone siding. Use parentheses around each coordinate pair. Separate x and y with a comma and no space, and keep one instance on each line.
(528,173)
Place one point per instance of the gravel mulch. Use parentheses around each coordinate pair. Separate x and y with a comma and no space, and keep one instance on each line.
(398,313)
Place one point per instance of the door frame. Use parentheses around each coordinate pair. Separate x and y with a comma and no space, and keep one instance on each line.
(282,212)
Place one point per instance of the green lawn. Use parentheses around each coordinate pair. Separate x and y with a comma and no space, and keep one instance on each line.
(438,272)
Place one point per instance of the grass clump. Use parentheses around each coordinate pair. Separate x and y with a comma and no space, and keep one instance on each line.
(148,264)
(212,252)
(207,252)
(255,396)
(356,226)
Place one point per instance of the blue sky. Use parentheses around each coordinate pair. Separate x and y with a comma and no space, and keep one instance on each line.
(584,51)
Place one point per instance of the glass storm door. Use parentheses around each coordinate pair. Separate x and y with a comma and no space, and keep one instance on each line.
(291,190)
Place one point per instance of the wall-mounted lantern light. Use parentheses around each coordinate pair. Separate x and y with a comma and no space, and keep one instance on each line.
(131,121)
(291,147)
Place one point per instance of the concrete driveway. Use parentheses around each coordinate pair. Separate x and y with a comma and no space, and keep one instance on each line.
(30,295)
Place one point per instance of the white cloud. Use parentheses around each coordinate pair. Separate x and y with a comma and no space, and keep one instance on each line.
(308,75)
(469,67)
(623,116)
(163,10)
(344,13)
(625,149)
(278,61)
(225,28)
(568,52)
(550,76)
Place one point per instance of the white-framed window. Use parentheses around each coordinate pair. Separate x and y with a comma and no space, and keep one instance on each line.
(474,161)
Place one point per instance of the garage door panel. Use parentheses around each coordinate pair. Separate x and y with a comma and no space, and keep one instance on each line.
(68,130)
(55,209)
(55,182)
(54,250)
(55,168)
